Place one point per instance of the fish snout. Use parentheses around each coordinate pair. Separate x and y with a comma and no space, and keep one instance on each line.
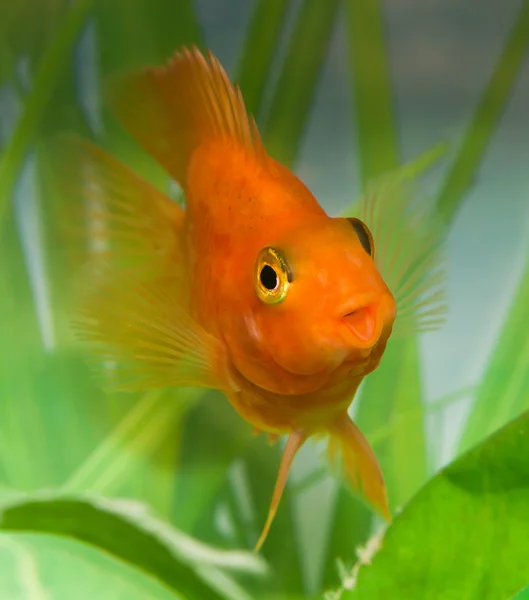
(369,321)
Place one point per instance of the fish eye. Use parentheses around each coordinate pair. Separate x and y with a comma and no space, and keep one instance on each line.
(364,235)
(272,276)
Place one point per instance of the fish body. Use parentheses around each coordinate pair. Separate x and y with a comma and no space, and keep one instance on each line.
(252,289)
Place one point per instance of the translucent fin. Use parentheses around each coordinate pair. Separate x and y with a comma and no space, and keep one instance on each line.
(360,463)
(108,213)
(173,109)
(295,440)
(143,336)
(408,238)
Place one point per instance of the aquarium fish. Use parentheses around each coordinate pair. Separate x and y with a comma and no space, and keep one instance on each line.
(251,289)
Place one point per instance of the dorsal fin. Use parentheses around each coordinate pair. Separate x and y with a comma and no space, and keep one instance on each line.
(173,109)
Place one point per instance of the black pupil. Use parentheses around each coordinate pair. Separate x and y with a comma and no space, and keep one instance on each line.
(268,277)
(363,236)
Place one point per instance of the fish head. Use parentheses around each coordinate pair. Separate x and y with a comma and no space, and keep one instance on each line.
(319,302)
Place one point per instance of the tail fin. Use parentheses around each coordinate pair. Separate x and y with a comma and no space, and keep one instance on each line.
(295,440)
(360,464)
(173,109)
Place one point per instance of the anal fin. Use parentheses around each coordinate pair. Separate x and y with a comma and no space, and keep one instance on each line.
(360,463)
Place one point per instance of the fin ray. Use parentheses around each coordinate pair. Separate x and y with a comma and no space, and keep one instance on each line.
(172,109)
(295,440)
(360,463)
(169,349)
(108,213)
(408,251)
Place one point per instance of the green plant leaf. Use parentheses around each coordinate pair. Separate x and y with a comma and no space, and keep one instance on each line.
(46,567)
(281,548)
(523,595)
(18,363)
(261,42)
(213,435)
(371,83)
(128,532)
(444,544)
(351,521)
(486,116)
(403,456)
(503,391)
(127,462)
(47,76)
(150,35)
(298,78)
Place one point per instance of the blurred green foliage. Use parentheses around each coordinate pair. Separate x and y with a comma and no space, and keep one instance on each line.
(184,452)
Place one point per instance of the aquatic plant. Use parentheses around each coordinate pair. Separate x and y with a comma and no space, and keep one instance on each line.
(68,452)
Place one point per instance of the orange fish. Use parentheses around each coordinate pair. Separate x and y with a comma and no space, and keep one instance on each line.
(252,289)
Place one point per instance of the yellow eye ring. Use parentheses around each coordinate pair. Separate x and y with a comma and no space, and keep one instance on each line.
(364,235)
(272,276)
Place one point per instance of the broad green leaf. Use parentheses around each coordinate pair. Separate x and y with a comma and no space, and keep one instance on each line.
(298,78)
(523,595)
(445,543)
(47,567)
(350,525)
(128,532)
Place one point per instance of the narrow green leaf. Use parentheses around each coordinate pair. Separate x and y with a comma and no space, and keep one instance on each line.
(485,119)
(150,35)
(128,532)
(350,528)
(213,436)
(368,57)
(130,455)
(24,452)
(49,70)
(261,42)
(141,463)
(403,456)
(411,170)
(281,548)
(298,79)
(503,391)
(444,544)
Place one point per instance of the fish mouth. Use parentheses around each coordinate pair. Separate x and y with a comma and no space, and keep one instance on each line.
(365,325)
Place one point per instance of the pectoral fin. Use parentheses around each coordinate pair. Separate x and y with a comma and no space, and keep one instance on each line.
(360,464)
